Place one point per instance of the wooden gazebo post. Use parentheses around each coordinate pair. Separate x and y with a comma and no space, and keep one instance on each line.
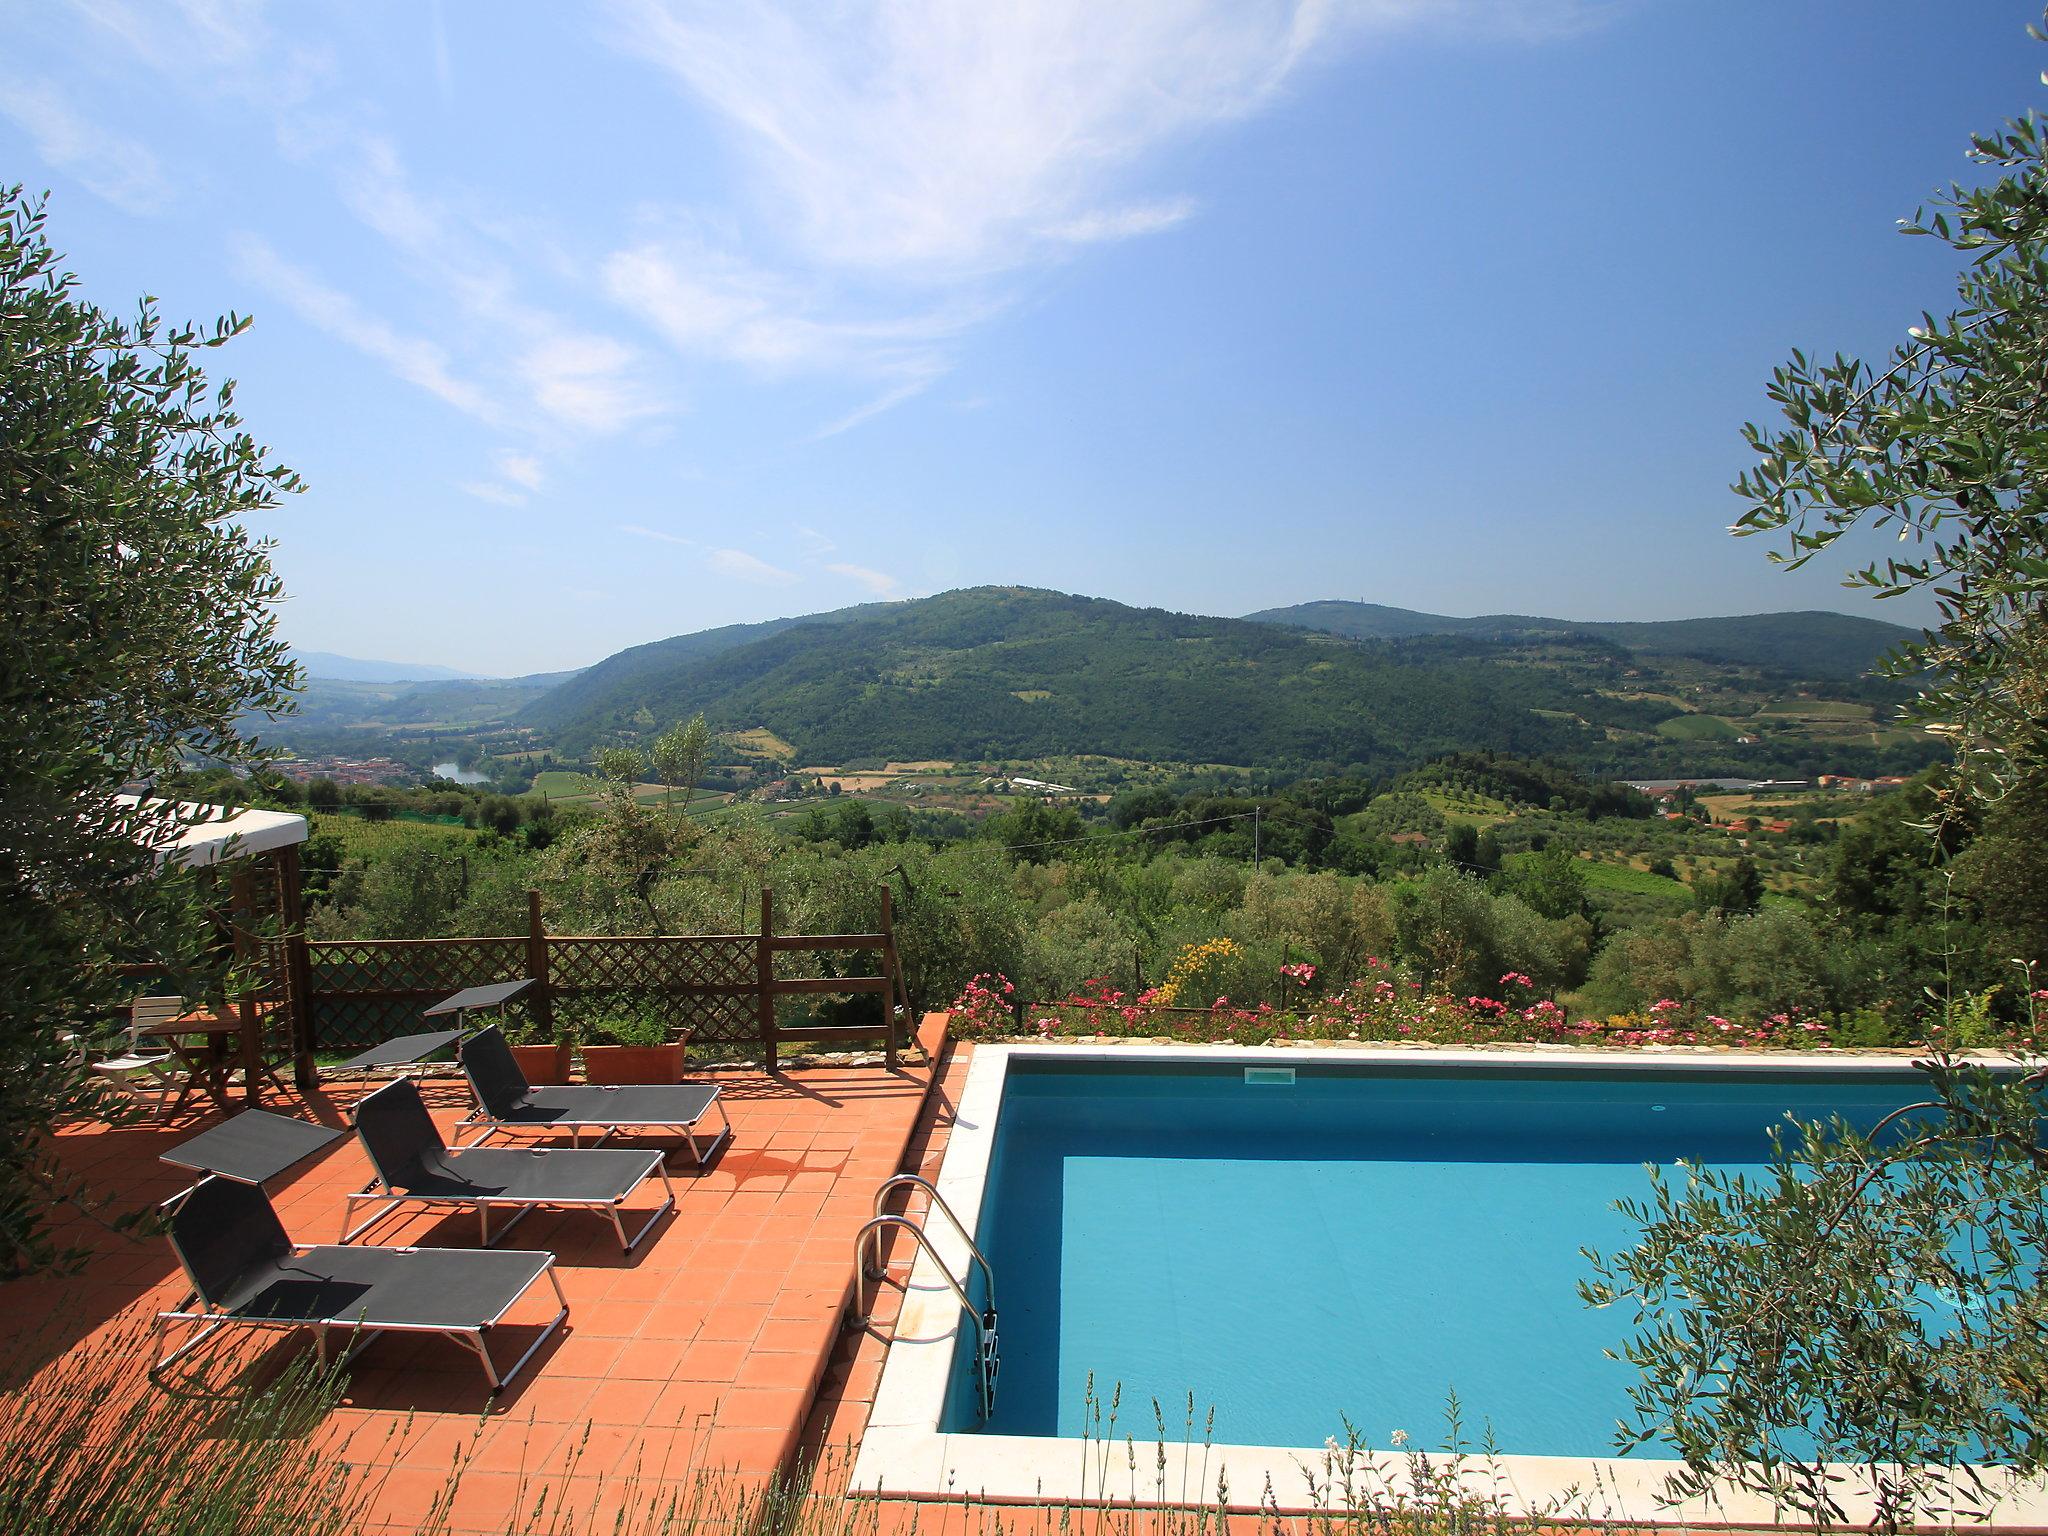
(255,845)
(298,969)
(764,977)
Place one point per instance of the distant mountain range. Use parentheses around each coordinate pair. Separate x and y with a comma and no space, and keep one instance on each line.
(452,703)
(354,669)
(1009,672)
(1813,643)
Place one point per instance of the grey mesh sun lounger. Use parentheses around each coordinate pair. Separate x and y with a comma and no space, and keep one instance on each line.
(246,1273)
(506,1102)
(412,1164)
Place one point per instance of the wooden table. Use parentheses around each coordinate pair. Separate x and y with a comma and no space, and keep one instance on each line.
(203,1043)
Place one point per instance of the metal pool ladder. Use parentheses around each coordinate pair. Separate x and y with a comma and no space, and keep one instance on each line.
(867,1255)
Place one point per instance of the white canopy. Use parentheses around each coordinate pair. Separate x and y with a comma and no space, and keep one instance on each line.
(201,835)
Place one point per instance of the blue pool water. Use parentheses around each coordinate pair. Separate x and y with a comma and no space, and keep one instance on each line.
(1354,1245)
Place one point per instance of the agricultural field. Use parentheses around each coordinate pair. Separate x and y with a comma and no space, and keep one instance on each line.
(1475,810)
(1817,709)
(1697,728)
(378,839)
(562,784)
(761,742)
(1601,875)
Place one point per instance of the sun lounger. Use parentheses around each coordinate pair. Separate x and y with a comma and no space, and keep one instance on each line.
(414,1165)
(246,1272)
(253,1147)
(506,1102)
(418,1051)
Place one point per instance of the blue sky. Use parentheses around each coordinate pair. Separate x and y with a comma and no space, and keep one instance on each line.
(593,324)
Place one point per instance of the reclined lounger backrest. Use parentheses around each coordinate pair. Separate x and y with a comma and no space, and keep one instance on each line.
(399,1134)
(489,1065)
(224,1230)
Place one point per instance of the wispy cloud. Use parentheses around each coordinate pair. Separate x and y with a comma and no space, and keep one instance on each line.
(900,170)
(881,583)
(741,566)
(491,490)
(639,531)
(709,302)
(519,475)
(122,170)
(887,400)
(579,379)
(413,358)
(918,158)
(921,138)
(444,66)
(587,382)
(1124,223)
(522,469)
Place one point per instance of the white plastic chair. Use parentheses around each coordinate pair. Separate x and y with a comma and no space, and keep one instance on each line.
(144,1074)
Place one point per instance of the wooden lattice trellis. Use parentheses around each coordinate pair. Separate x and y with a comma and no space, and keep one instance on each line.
(706,985)
(361,991)
(719,988)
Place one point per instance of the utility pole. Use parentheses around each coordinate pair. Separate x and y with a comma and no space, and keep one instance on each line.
(1255,839)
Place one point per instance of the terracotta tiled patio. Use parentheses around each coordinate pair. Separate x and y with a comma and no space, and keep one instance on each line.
(703,1349)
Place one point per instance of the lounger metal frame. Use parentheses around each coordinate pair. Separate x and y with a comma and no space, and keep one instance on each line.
(210,1320)
(386,1197)
(483,1121)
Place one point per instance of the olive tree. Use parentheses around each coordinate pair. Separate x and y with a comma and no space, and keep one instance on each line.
(1877,1299)
(137,633)
(1874,1301)
(1941,445)
(679,756)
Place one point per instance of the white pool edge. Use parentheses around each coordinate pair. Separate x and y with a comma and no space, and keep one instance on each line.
(904,1453)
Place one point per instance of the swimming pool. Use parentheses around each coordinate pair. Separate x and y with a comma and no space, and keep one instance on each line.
(1299,1248)
(1304,1237)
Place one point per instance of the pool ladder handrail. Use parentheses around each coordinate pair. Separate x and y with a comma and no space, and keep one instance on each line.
(867,1255)
(916,1181)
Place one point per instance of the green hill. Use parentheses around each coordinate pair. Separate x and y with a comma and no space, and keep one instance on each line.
(1012,672)
(328,704)
(1021,674)
(1811,644)
(620,684)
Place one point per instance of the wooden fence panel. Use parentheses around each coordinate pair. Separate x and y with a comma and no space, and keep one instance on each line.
(721,988)
(705,983)
(362,991)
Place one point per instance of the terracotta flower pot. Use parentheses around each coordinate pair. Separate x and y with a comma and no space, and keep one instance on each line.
(543,1064)
(633,1063)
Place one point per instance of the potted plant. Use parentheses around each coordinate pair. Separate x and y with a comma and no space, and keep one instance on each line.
(542,1053)
(630,1048)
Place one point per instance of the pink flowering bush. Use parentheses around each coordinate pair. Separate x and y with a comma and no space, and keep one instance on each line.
(984,1008)
(1388,1004)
